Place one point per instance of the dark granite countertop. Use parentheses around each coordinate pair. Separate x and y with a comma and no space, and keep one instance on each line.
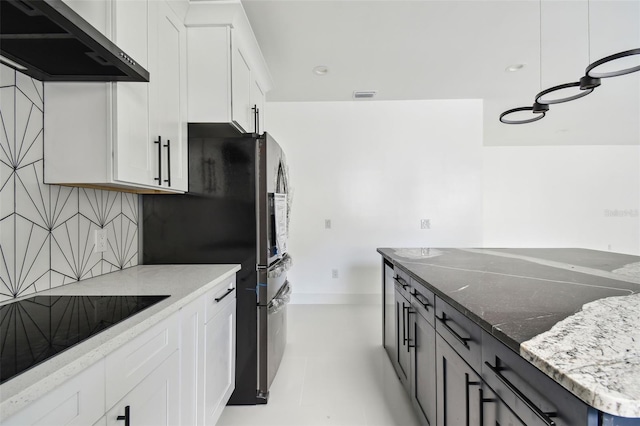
(516,294)
(573,313)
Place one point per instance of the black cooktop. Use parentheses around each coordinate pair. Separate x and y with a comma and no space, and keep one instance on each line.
(35,329)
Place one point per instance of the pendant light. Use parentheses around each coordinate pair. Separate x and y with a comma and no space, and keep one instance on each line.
(525,115)
(577,90)
(592,71)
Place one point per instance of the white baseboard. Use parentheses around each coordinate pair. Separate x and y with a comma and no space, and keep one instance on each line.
(335,299)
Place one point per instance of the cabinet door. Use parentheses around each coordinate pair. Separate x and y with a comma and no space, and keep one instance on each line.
(191,366)
(423,369)
(403,357)
(241,88)
(167,53)
(219,361)
(154,401)
(493,411)
(133,161)
(79,401)
(455,382)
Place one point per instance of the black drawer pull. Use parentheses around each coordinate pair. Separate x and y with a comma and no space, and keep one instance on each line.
(422,300)
(126,417)
(545,417)
(464,340)
(401,281)
(218,299)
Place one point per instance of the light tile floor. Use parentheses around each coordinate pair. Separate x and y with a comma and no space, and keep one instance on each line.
(334,372)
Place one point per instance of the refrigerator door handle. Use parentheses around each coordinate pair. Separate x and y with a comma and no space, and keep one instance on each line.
(280,300)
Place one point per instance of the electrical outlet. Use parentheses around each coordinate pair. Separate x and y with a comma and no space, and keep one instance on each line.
(425,224)
(327,223)
(334,273)
(100,237)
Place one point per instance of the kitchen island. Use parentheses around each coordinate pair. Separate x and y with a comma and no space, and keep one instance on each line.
(162,344)
(564,316)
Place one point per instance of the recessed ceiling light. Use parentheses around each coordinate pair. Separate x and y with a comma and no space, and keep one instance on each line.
(514,67)
(321,70)
(364,94)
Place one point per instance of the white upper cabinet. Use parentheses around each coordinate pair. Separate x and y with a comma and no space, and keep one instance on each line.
(228,77)
(104,134)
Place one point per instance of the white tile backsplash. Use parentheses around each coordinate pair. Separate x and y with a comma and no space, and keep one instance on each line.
(47,231)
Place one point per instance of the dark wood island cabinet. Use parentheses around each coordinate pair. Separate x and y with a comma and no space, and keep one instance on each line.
(453,326)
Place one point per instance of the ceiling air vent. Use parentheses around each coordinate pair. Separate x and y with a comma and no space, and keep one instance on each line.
(365,94)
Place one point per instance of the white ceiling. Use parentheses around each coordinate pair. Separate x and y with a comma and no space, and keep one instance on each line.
(422,49)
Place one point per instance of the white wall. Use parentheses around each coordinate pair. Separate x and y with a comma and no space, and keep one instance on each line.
(566,196)
(375,169)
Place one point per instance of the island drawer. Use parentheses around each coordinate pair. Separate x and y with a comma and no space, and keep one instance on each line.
(532,395)
(460,332)
(423,301)
(402,282)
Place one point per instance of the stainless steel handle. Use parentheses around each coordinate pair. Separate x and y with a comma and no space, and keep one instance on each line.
(168,146)
(126,417)
(463,340)
(544,416)
(159,178)
(218,299)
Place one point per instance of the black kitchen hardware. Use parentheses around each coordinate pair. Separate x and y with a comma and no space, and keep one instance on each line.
(126,417)
(236,181)
(256,119)
(483,401)
(546,417)
(401,281)
(468,384)
(444,320)
(48,41)
(168,179)
(228,292)
(159,142)
(38,328)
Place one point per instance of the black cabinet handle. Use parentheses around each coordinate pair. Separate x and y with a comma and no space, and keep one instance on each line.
(408,340)
(545,417)
(159,142)
(401,281)
(463,340)
(218,299)
(256,118)
(483,401)
(468,383)
(168,146)
(126,417)
(422,300)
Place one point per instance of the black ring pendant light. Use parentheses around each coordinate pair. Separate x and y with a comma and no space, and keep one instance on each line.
(505,120)
(586,85)
(546,101)
(589,71)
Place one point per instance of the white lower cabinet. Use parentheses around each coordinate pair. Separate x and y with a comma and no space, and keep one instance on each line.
(181,371)
(154,401)
(219,361)
(79,401)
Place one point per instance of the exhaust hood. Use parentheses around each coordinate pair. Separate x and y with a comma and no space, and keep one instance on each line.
(48,41)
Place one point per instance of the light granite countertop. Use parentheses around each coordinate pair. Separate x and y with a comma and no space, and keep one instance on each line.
(573,313)
(183,283)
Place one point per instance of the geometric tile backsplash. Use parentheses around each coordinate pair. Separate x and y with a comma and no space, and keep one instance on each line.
(47,231)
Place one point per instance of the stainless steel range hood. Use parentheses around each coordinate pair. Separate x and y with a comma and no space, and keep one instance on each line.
(53,43)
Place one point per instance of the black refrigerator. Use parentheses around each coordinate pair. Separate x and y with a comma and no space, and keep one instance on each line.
(236,211)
